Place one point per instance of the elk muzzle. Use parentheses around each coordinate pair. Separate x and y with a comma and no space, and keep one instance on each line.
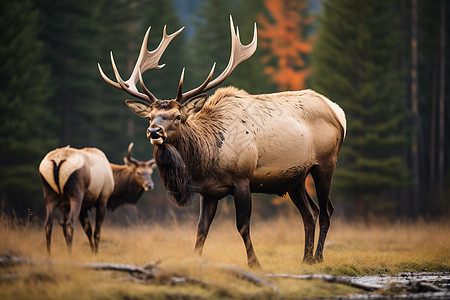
(156,135)
(149,187)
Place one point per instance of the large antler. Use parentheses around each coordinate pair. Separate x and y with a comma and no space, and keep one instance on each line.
(239,53)
(147,60)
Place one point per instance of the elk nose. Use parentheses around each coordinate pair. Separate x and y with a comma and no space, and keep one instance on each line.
(153,133)
(149,186)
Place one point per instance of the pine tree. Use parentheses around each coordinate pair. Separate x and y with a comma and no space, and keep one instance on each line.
(70,33)
(25,121)
(356,61)
(433,69)
(78,35)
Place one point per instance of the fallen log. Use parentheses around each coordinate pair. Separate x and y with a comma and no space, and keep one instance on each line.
(142,273)
(252,278)
(149,271)
(8,260)
(329,278)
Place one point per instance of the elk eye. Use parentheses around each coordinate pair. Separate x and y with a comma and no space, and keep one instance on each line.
(178,117)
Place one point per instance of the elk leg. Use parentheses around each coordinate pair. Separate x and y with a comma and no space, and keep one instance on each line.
(75,207)
(99,217)
(86,224)
(65,212)
(50,207)
(322,179)
(208,208)
(243,204)
(51,200)
(309,211)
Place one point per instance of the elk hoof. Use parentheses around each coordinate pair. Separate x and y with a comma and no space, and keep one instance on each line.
(309,260)
(255,265)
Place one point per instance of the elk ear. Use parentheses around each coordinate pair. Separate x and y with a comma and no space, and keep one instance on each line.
(129,163)
(193,105)
(139,108)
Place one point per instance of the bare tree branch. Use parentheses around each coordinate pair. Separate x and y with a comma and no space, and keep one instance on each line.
(329,278)
(252,278)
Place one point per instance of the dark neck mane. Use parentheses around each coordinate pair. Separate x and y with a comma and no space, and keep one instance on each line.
(185,164)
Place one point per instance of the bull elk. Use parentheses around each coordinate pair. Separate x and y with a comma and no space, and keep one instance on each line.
(76,180)
(236,143)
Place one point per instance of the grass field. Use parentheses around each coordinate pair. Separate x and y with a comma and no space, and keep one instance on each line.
(352,249)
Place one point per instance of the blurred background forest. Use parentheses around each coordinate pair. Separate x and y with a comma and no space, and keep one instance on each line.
(386,63)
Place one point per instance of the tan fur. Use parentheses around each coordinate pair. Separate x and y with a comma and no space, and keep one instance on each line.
(339,113)
(267,135)
(71,160)
(102,180)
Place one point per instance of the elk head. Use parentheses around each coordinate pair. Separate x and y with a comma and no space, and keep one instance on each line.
(165,116)
(142,170)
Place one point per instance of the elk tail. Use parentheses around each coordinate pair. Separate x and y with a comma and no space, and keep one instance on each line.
(49,169)
(56,168)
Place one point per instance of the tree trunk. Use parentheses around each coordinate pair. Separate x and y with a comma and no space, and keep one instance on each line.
(416,194)
(440,177)
(130,66)
(67,105)
(433,134)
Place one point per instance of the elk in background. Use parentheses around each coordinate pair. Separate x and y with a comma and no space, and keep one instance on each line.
(76,180)
(236,143)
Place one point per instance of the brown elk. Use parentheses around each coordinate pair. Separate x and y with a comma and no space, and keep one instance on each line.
(236,143)
(76,180)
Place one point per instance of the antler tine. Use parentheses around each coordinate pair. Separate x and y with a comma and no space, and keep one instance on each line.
(147,60)
(131,159)
(130,89)
(106,78)
(180,86)
(182,97)
(146,90)
(150,59)
(239,53)
(130,146)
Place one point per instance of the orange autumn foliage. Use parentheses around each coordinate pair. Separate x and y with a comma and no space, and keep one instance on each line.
(282,36)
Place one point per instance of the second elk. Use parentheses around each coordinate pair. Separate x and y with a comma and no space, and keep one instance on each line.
(77,180)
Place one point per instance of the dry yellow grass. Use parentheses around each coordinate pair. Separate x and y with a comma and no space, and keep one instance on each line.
(352,249)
